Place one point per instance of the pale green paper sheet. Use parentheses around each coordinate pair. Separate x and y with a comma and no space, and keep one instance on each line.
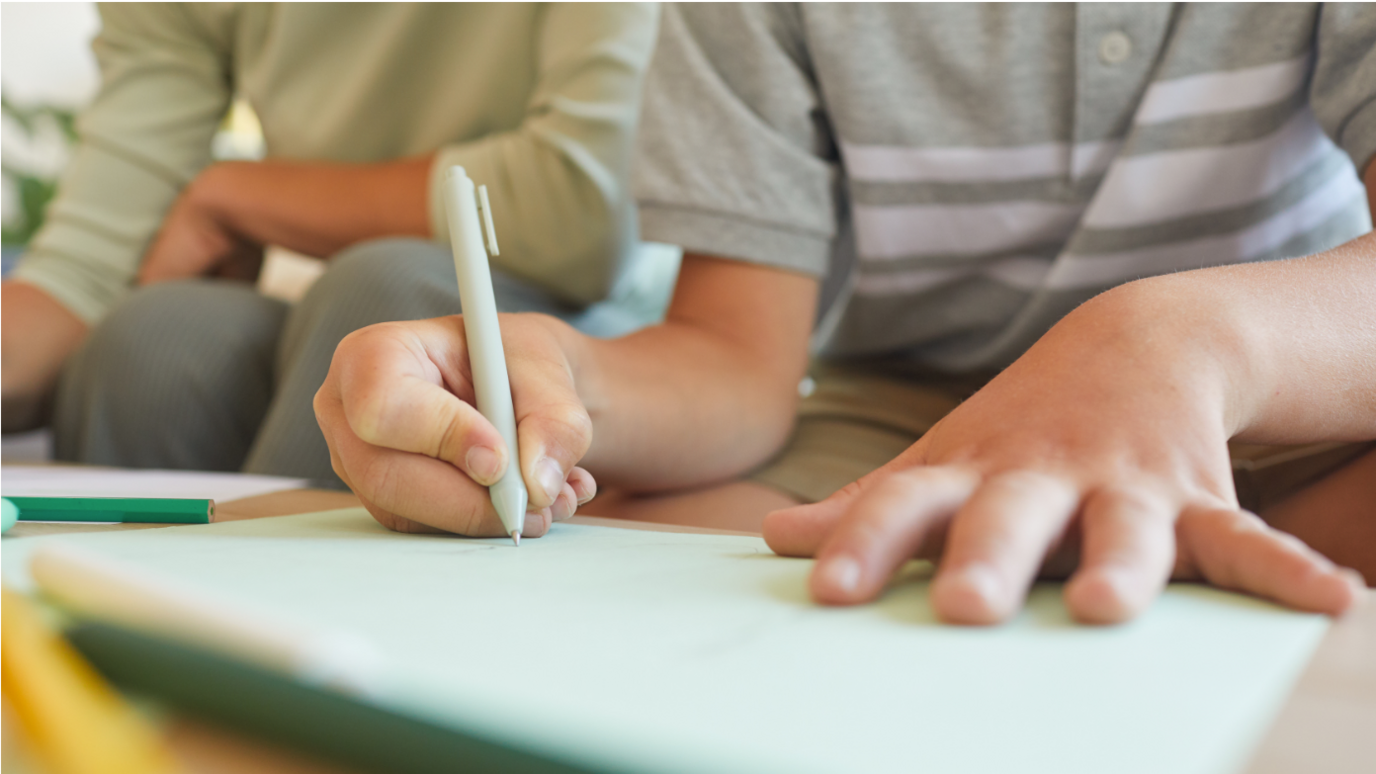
(633,650)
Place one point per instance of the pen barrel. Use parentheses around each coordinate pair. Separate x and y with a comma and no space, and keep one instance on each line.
(486,356)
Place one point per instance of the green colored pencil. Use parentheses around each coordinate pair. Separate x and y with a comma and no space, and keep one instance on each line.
(149,510)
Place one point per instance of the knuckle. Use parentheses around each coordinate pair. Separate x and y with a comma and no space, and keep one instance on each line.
(571,423)
(320,400)
(1291,543)
(1242,521)
(365,338)
(351,342)
(853,489)
(389,520)
(472,521)
(453,438)
(379,480)
(367,414)
(1132,501)
(337,465)
(1028,483)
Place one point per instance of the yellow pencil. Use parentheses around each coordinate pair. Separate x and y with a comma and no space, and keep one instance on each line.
(76,723)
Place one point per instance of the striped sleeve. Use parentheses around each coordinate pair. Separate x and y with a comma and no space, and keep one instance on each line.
(734,158)
(1343,93)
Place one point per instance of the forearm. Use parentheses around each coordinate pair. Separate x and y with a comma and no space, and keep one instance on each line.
(318,208)
(674,407)
(706,395)
(1314,366)
(38,335)
(1286,348)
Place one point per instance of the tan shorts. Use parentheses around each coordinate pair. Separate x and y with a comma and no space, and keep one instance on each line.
(856,420)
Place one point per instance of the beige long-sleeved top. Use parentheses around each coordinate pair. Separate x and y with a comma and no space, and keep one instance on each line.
(539,102)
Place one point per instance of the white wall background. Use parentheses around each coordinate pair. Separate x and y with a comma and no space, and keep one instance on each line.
(45,59)
(45,52)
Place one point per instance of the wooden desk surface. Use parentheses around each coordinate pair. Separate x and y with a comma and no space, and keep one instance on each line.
(1327,724)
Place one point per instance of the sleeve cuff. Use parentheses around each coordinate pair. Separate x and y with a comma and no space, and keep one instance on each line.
(69,283)
(1358,137)
(726,236)
(439,221)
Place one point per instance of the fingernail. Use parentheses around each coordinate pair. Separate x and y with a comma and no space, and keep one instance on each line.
(842,573)
(1353,577)
(983,582)
(483,464)
(584,490)
(550,477)
(562,509)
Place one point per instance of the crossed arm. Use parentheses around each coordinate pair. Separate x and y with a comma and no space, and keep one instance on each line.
(165,91)
(218,226)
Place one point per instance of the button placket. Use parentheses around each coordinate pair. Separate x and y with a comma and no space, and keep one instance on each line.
(1115,48)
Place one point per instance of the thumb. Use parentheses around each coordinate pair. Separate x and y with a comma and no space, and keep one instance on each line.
(802,529)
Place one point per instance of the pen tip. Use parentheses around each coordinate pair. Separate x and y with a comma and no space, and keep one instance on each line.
(516,537)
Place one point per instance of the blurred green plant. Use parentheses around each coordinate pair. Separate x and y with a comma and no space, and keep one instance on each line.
(34,190)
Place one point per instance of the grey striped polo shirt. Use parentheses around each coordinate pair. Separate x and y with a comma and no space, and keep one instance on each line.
(966,175)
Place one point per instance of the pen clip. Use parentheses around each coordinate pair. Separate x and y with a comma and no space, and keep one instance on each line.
(485,207)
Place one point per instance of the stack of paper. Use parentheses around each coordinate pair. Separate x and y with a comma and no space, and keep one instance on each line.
(75,481)
(625,650)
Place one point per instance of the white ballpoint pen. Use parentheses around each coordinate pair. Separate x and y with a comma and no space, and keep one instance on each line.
(486,358)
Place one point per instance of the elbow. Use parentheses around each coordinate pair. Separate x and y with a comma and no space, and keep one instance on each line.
(768,409)
(578,258)
(591,265)
(778,414)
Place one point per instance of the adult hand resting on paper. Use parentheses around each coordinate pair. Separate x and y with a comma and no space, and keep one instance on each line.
(397,410)
(1103,450)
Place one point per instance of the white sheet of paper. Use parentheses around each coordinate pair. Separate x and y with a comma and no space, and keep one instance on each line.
(649,651)
(73,481)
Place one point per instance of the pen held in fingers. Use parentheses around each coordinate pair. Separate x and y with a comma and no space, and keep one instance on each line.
(487,359)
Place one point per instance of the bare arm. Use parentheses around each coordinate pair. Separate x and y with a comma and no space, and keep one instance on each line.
(1303,356)
(705,395)
(1297,340)
(315,208)
(708,394)
(38,335)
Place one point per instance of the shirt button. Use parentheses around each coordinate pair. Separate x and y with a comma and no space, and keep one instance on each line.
(1114,48)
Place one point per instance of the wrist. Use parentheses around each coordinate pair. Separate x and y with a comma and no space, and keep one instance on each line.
(1183,331)
(581,359)
(213,193)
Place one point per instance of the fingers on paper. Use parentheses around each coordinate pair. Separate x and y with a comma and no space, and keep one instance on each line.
(996,544)
(1127,552)
(577,490)
(583,484)
(884,528)
(433,495)
(803,529)
(1236,550)
(564,505)
(394,396)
